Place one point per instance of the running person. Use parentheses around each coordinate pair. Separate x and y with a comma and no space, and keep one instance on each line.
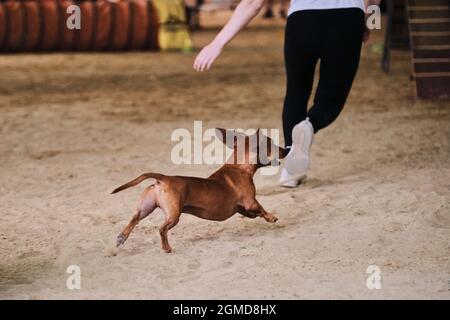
(331,31)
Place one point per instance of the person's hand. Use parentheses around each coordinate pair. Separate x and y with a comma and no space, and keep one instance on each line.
(207,56)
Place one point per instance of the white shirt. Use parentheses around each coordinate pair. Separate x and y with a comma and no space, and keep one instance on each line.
(297,5)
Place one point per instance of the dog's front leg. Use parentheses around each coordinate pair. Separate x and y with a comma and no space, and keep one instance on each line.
(268,216)
(260,211)
(247,213)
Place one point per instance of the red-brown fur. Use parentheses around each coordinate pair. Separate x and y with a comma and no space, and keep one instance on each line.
(227,191)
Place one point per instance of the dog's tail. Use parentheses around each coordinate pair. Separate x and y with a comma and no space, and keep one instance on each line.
(138,180)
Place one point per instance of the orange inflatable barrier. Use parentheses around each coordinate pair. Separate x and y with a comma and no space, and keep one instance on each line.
(3,27)
(50,16)
(66,37)
(32,28)
(40,25)
(15,22)
(103,25)
(85,36)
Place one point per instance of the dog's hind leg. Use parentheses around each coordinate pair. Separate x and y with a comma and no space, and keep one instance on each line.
(172,208)
(123,236)
(147,205)
(171,221)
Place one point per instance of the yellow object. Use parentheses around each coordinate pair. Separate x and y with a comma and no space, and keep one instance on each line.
(173,31)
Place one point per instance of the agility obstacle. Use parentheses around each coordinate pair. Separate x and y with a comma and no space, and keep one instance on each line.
(423,26)
(41,25)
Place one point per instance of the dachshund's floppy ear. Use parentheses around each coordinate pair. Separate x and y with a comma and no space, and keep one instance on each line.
(282,152)
(221,134)
(226,136)
(267,143)
(231,138)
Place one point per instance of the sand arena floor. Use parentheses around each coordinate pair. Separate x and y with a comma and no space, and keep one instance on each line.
(75,126)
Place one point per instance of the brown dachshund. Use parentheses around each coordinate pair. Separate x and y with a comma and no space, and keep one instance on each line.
(227,191)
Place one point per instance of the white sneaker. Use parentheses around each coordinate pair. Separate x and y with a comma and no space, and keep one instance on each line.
(290,181)
(297,161)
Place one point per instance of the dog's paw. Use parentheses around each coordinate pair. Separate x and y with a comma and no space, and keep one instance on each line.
(120,240)
(110,251)
(168,250)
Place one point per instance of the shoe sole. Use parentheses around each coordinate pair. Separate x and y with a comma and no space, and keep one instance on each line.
(294,182)
(297,161)
(286,180)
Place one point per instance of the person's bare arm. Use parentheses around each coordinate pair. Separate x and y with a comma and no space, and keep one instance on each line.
(243,14)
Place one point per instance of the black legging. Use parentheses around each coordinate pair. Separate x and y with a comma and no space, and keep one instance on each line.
(333,36)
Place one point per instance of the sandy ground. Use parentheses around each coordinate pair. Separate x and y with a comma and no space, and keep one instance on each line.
(74,126)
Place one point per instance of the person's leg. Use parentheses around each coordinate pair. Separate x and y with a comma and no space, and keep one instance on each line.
(300,61)
(340,57)
(301,56)
(339,37)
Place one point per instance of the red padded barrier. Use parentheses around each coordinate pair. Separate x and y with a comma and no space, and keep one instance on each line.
(121,24)
(103,25)
(14,25)
(139,24)
(32,26)
(40,25)
(2,25)
(66,36)
(50,25)
(84,35)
